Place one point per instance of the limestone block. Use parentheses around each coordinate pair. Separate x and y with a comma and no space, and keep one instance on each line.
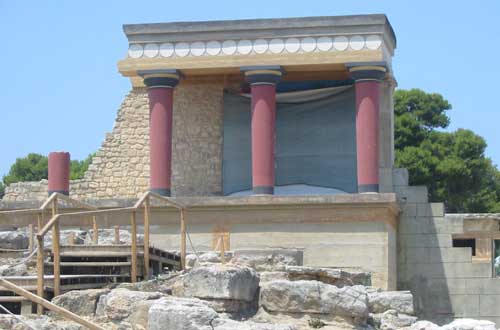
(315,297)
(80,302)
(332,276)
(120,303)
(399,301)
(221,282)
(268,259)
(14,239)
(181,314)
(470,324)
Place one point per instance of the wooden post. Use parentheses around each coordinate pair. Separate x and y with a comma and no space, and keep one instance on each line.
(56,251)
(222,249)
(133,270)
(71,238)
(183,241)
(31,238)
(50,306)
(95,230)
(146,238)
(39,272)
(117,235)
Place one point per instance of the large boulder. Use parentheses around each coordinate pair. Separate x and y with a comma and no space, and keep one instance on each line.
(268,259)
(14,240)
(315,298)
(227,324)
(337,277)
(221,282)
(400,301)
(392,320)
(80,302)
(14,270)
(119,304)
(470,324)
(181,314)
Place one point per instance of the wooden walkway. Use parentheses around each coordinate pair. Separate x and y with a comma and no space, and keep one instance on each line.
(91,267)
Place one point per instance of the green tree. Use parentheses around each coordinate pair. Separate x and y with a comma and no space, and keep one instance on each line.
(2,190)
(451,164)
(34,167)
(79,167)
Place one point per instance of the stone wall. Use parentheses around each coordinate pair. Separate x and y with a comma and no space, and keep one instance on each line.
(120,168)
(445,281)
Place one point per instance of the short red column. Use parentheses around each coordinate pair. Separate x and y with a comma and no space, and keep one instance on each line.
(59,166)
(160,91)
(367,81)
(263,87)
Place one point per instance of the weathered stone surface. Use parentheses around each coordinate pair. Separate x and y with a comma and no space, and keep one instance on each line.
(226,324)
(18,322)
(314,297)
(392,320)
(337,277)
(381,301)
(181,314)
(120,303)
(13,270)
(82,302)
(107,237)
(268,260)
(423,325)
(470,324)
(221,282)
(147,286)
(273,276)
(14,239)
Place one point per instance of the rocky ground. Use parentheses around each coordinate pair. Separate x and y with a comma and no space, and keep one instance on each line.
(252,290)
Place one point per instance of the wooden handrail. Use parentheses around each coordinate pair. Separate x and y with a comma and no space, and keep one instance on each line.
(54,219)
(50,306)
(93,211)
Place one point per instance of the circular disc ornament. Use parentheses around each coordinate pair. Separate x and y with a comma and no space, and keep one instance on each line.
(292,45)
(151,50)
(166,49)
(229,47)
(135,51)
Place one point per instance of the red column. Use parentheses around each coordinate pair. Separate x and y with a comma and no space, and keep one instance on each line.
(59,163)
(263,82)
(160,91)
(263,138)
(367,78)
(160,139)
(367,123)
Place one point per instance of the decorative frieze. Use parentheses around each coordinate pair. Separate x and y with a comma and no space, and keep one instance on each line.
(256,46)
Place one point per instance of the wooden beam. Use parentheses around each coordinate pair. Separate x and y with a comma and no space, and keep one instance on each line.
(133,270)
(183,240)
(39,272)
(146,238)
(50,306)
(56,251)
(95,230)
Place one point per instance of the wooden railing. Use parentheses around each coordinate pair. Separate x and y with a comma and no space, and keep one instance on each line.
(54,222)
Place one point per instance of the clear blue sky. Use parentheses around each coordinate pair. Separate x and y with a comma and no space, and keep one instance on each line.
(60,89)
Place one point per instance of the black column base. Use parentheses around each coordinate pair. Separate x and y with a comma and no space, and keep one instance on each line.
(263,190)
(161,191)
(63,192)
(368,188)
